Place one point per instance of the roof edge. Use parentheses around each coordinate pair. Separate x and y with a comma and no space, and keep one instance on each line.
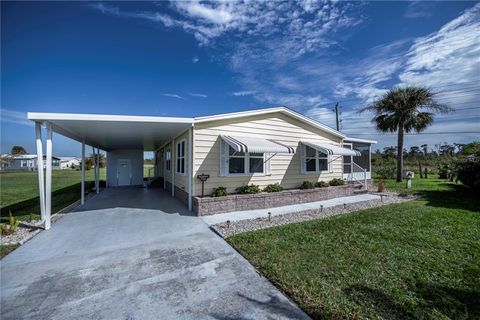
(360,140)
(283,109)
(36,116)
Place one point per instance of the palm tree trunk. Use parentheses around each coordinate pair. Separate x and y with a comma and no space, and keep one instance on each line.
(400,153)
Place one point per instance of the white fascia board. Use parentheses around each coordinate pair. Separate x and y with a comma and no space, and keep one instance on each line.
(360,140)
(284,110)
(34,116)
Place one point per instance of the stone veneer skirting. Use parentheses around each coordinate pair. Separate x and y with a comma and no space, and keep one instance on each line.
(239,202)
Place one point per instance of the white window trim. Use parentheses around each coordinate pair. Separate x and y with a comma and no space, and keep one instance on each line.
(226,157)
(303,163)
(177,157)
(168,151)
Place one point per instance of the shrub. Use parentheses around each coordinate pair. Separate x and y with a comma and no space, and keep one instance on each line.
(381,185)
(445,171)
(307,185)
(249,189)
(321,184)
(11,227)
(468,172)
(387,171)
(276,187)
(220,192)
(337,182)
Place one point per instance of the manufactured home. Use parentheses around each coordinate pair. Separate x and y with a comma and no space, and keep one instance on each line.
(25,162)
(195,155)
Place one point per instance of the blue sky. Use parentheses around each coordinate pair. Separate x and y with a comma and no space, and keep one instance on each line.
(198,58)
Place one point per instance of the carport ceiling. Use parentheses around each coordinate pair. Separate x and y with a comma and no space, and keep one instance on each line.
(110,132)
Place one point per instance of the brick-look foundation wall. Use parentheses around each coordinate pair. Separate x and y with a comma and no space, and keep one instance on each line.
(180,194)
(239,202)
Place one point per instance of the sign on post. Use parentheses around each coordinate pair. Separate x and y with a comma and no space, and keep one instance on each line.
(203,177)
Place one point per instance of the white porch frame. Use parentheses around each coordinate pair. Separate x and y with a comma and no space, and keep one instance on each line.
(44,185)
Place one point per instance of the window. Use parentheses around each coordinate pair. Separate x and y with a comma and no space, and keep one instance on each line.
(236,161)
(22,163)
(168,159)
(241,163)
(314,160)
(181,157)
(255,162)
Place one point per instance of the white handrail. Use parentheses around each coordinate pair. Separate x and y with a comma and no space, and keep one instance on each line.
(357,169)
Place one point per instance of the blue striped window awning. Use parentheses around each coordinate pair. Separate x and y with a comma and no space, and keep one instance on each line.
(331,149)
(256,145)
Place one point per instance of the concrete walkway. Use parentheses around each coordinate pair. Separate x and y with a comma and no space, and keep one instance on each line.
(261,213)
(135,254)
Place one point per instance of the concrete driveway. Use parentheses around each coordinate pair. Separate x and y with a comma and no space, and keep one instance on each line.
(135,254)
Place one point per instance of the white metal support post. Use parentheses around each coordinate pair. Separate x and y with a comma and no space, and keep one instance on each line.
(173,166)
(97,185)
(94,167)
(41,180)
(164,161)
(82,196)
(190,167)
(48,178)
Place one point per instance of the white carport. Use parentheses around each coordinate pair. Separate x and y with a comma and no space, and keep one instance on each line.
(102,132)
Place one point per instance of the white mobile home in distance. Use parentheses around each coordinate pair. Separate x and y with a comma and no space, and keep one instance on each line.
(262,147)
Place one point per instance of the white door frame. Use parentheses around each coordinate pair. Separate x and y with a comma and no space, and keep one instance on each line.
(118,172)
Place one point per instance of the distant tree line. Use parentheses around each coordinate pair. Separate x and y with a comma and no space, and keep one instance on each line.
(451,161)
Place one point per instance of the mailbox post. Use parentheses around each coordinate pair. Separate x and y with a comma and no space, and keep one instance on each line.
(409,176)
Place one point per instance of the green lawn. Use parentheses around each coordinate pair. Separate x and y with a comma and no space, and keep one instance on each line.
(19,191)
(415,260)
(419,186)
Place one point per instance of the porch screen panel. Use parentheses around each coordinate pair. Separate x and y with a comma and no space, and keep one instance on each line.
(364,159)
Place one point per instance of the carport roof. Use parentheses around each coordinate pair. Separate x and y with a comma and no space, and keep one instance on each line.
(114,131)
(144,132)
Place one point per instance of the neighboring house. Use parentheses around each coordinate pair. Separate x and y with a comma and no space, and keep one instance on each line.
(69,162)
(25,162)
(265,146)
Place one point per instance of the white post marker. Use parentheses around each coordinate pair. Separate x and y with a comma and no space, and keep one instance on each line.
(48,179)
(41,180)
(82,196)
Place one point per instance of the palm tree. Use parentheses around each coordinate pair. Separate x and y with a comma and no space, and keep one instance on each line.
(403,110)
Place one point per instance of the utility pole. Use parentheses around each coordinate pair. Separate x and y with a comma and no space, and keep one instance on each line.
(337,113)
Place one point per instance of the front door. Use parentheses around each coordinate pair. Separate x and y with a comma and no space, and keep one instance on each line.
(124,172)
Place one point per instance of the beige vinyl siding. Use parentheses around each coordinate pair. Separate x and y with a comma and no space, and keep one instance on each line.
(181,181)
(285,169)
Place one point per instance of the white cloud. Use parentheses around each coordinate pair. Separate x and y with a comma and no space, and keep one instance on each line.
(198,95)
(210,13)
(448,57)
(15,117)
(419,9)
(243,93)
(172,95)
(195,59)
